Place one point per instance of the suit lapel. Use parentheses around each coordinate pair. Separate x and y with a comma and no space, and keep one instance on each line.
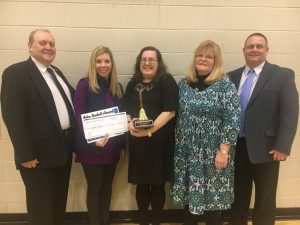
(44,91)
(261,82)
(72,92)
(71,89)
(236,77)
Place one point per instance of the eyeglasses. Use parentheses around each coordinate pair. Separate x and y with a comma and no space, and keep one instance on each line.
(205,57)
(259,47)
(149,60)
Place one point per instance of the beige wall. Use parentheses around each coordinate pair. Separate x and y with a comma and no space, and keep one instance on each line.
(175,27)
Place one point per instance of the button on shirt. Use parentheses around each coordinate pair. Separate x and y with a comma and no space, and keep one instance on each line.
(61,107)
(257,70)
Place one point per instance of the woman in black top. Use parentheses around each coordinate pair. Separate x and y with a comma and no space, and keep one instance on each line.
(151,150)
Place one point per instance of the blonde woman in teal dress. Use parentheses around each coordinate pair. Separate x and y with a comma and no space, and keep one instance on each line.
(206,133)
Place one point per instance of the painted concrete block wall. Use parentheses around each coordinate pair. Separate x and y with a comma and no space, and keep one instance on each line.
(176,27)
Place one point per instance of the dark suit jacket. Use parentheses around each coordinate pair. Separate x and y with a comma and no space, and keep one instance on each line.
(29,112)
(271,116)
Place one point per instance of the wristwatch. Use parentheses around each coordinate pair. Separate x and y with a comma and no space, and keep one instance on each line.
(224,152)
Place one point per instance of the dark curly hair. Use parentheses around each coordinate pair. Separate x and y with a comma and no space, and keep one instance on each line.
(161,68)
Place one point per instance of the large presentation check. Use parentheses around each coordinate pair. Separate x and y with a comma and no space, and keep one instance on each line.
(109,122)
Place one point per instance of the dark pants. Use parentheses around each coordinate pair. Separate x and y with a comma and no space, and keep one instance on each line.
(154,195)
(265,178)
(211,217)
(99,180)
(46,193)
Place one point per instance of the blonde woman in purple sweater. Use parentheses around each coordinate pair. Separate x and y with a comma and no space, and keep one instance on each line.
(99,90)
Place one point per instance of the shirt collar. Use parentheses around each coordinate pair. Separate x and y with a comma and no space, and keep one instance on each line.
(257,69)
(39,65)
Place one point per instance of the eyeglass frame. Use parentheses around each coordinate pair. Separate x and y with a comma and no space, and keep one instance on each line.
(148,60)
(204,57)
(258,46)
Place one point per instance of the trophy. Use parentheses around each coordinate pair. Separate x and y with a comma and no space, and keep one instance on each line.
(142,122)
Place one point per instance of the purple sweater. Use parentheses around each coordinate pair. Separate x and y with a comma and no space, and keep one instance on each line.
(86,101)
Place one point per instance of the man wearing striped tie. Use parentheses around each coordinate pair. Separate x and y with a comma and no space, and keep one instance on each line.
(269,106)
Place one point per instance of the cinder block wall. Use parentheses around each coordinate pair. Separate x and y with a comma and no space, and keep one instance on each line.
(176,27)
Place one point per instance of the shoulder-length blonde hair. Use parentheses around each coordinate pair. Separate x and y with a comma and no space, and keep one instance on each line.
(114,86)
(217,70)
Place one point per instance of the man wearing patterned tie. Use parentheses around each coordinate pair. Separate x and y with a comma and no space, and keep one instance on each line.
(268,126)
(40,121)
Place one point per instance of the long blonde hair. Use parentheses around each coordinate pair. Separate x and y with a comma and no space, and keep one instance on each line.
(114,86)
(217,70)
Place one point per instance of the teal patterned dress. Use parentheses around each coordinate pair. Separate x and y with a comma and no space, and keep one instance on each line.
(205,120)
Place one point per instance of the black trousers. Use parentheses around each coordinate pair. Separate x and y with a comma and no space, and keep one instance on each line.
(265,178)
(99,180)
(155,195)
(46,193)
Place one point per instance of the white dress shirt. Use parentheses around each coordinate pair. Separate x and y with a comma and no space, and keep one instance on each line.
(257,70)
(61,107)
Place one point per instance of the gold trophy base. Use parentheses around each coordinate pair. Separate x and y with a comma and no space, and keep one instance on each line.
(143,124)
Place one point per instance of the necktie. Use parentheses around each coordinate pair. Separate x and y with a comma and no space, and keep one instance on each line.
(244,98)
(64,96)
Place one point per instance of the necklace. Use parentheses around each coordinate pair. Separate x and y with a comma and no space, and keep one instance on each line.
(143,86)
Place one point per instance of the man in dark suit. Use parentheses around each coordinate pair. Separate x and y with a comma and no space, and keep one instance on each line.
(40,119)
(269,124)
